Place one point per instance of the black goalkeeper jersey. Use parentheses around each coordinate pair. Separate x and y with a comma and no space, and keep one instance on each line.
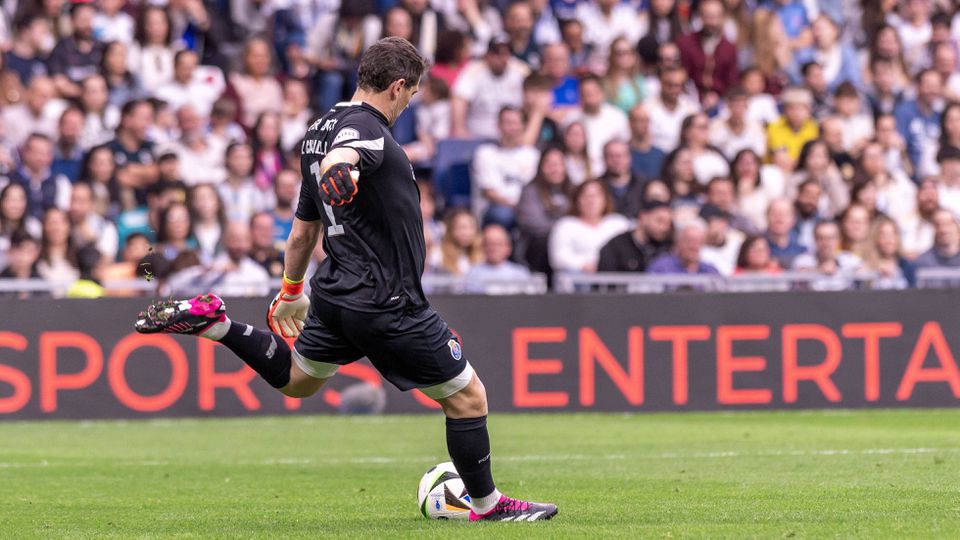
(374,245)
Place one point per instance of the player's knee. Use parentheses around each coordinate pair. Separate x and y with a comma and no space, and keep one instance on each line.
(470,402)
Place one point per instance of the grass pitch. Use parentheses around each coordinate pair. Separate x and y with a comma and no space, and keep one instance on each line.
(869,474)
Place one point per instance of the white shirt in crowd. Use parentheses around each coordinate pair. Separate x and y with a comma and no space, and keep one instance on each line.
(574,244)
(762,108)
(708,165)
(241,202)
(486,94)
(505,170)
(856,129)
(608,124)
(201,166)
(600,30)
(729,143)
(665,124)
(247,278)
(724,258)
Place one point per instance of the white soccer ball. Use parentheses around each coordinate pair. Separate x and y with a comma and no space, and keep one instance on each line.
(442,494)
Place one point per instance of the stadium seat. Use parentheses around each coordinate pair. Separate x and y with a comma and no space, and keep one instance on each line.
(451,170)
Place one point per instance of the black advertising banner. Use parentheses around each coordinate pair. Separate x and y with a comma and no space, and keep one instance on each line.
(669,352)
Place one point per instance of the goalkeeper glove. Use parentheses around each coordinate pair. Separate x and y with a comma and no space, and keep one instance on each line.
(338,184)
(288,309)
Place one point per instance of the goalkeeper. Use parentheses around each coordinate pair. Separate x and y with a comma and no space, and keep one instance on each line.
(366,298)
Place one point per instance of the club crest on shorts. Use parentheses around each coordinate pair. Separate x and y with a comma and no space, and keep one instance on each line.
(455,351)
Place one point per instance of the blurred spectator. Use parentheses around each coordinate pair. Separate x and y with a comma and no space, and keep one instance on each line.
(123,85)
(950,126)
(753,196)
(132,152)
(152,55)
(37,113)
(44,189)
(634,250)
(660,25)
(97,169)
(604,20)
(100,118)
(495,266)
(946,242)
(646,160)
(78,56)
(336,41)
(188,85)
(770,53)
(894,147)
(806,207)
(856,126)
(815,164)
(689,238)
(576,160)
(761,106)
(453,53)
(855,229)
(575,241)
(201,158)
(296,113)
(234,273)
(831,133)
(67,152)
(915,31)
(619,179)
(709,58)
(22,258)
(917,228)
(564,88)
(58,254)
(828,257)
(263,244)
(426,25)
(286,190)
(460,247)
(136,248)
(753,257)
(223,125)
(795,128)
(838,60)
(603,122)
(88,283)
(208,218)
(721,192)
(944,62)
(722,242)
(518,21)
(25,57)
(918,121)
(624,83)
(88,228)
(708,162)
(680,177)
(432,119)
(432,227)
(734,131)
(146,220)
(483,88)
(949,179)
(784,245)
(241,197)
(668,109)
(813,79)
(581,52)
(174,232)
(896,194)
(502,169)
(883,257)
(14,218)
(543,201)
(256,87)
(795,17)
(885,95)
(268,157)
(540,111)
(111,23)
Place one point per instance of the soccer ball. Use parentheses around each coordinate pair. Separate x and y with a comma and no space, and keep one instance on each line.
(442,494)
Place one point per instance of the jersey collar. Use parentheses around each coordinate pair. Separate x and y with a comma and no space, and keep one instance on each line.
(366,106)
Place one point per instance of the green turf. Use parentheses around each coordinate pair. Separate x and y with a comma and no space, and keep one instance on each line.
(876,474)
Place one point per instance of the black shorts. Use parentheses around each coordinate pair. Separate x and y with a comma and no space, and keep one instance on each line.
(410,348)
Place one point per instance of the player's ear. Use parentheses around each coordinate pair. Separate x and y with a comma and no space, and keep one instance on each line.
(397,88)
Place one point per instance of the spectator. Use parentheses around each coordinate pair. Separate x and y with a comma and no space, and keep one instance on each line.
(111,23)
(634,250)
(495,266)
(175,232)
(44,189)
(734,131)
(918,121)
(646,160)
(78,56)
(432,227)
(945,63)
(771,56)
(604,20)
(67,152)
(658,26)
(722,242)
(709,58)
(917,228)
(781,235)
(432,120)
(752,195)
(146,220)
(575,241)
(721,192)
(564,88)
(894,147)
(123,85)
(806,207)
(188,85)
(37,113)
(223,125)
(896,194)
(241,197)
(234,273)
(540,111)
(136,248)
(97,169)
(201,158)
(679,175)
(58,254)
(685,259)
(263,248)
(132,152)
(603,122)
(518,24)
(828,257)
(460,247)
(296,113)
(883,257)
(286,189)
(884,95)
(453,53)
(946,242)
(856,127)
(100,118)
(831,133)
(855,229)
(576,160)
(669,108)
(88,228)
(815,82)
(256,87)
(268,158)
(761,106)
(795,18)
(915,31)
(543,201)
(208,218)
(815,164)
(754,257)
(501,170)
(708,162)
(14,219)
(795,128)
(22,260)
(483,88)
(25,57)
(624,83)
(624,186)
(152,56)
(581,52)
(838,60)
(950,126)
(886,46)
(426,25)
(336,41)
(949,185)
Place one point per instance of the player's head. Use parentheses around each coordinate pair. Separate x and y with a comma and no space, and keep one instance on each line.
(391,67)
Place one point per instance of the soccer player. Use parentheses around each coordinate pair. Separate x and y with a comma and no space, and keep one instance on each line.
(366,297)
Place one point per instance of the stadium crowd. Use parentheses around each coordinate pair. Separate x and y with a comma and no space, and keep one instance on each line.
(160,138)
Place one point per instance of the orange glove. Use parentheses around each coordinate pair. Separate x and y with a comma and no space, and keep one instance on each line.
(288,309)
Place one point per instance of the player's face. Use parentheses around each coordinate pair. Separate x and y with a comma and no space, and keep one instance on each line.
(404,95)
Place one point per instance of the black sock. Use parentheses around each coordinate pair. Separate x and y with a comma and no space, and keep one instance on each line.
(267,353)
(469,446)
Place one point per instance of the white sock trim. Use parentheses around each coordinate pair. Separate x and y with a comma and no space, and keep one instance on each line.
(482,505)
(217,330)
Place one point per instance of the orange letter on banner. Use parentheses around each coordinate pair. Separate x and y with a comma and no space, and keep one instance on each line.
(819,373)
(727,364)
(680,336)
(629,382)
(13,376)
(871,334)
(179,372)
(930,336)
(524,366)
(208,379)
(51,381)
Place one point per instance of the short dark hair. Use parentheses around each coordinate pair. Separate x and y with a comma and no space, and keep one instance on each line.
(805,69)
(388,60)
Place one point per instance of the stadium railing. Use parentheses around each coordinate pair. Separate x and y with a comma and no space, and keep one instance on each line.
(938,278)
(611,282)
(443,284)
